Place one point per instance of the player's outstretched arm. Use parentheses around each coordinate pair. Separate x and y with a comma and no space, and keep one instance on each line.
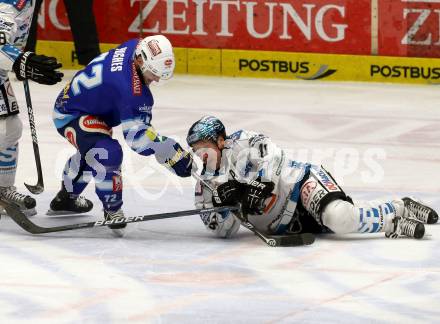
(144,140)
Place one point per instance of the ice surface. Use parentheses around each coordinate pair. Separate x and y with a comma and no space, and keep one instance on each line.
(174,271)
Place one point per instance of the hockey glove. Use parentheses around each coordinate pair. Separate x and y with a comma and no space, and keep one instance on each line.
(38,68)
(227,194)
(254,196)
(182,162)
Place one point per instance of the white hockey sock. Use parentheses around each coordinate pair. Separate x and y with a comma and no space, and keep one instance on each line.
(370,217)
(8,166)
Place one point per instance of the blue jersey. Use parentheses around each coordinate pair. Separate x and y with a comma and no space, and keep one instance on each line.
(108,88)
(111,89)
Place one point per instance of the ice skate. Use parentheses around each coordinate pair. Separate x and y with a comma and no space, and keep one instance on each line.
(409,227)
(118,229)
(24,202)
(65,203)
(422,212)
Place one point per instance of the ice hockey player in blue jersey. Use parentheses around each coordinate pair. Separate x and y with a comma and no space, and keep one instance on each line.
(113,90)
(15,21)
(280,195)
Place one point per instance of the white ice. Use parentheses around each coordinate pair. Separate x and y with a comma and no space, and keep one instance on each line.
(379,140)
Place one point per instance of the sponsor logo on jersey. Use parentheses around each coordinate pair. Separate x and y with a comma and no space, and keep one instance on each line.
(153,46)
(70,134)
(117,183)
(145,108)
(315,204)
(20,4)
(93,124)
(66,91)
(307,190)
(168,63)
(136,82)
(327,182)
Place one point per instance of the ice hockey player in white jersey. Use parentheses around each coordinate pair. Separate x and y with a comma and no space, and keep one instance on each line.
(15,21)
(279,195)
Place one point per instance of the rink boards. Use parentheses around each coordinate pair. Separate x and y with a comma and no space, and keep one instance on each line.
(283,65)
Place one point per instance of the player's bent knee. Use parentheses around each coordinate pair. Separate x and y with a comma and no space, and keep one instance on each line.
(107,152)
(340,216)
(11,129)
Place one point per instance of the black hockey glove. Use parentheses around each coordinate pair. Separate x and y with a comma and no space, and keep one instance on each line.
(182,162)
(38,68)
(255,193)
(227,194)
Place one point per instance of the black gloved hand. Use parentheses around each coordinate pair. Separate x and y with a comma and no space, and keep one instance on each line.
(227,194)
(255,193)
(38,68)
(182,162)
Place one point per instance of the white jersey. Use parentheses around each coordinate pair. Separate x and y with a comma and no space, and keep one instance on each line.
(250,155)
(15,22)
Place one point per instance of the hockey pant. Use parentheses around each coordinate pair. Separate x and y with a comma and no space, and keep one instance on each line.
(98,157)
(323,199)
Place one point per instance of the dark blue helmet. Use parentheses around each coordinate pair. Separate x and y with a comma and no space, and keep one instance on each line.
(208,128)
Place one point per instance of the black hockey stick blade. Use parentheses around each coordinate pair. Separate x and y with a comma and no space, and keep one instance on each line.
(296,239)
(281,240)
(18,217)
(39,187)
(36,190)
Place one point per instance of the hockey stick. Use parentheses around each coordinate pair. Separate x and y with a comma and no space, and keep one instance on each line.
(39,187)
(271,240)
(17,216)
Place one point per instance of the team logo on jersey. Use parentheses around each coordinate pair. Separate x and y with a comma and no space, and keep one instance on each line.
(92,124)
(117,183)
(136,82)
(153,46)
(70,134)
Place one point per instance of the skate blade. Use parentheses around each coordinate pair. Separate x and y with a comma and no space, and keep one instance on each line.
(51,212)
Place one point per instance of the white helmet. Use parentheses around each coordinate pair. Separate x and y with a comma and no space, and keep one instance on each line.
(157,54)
